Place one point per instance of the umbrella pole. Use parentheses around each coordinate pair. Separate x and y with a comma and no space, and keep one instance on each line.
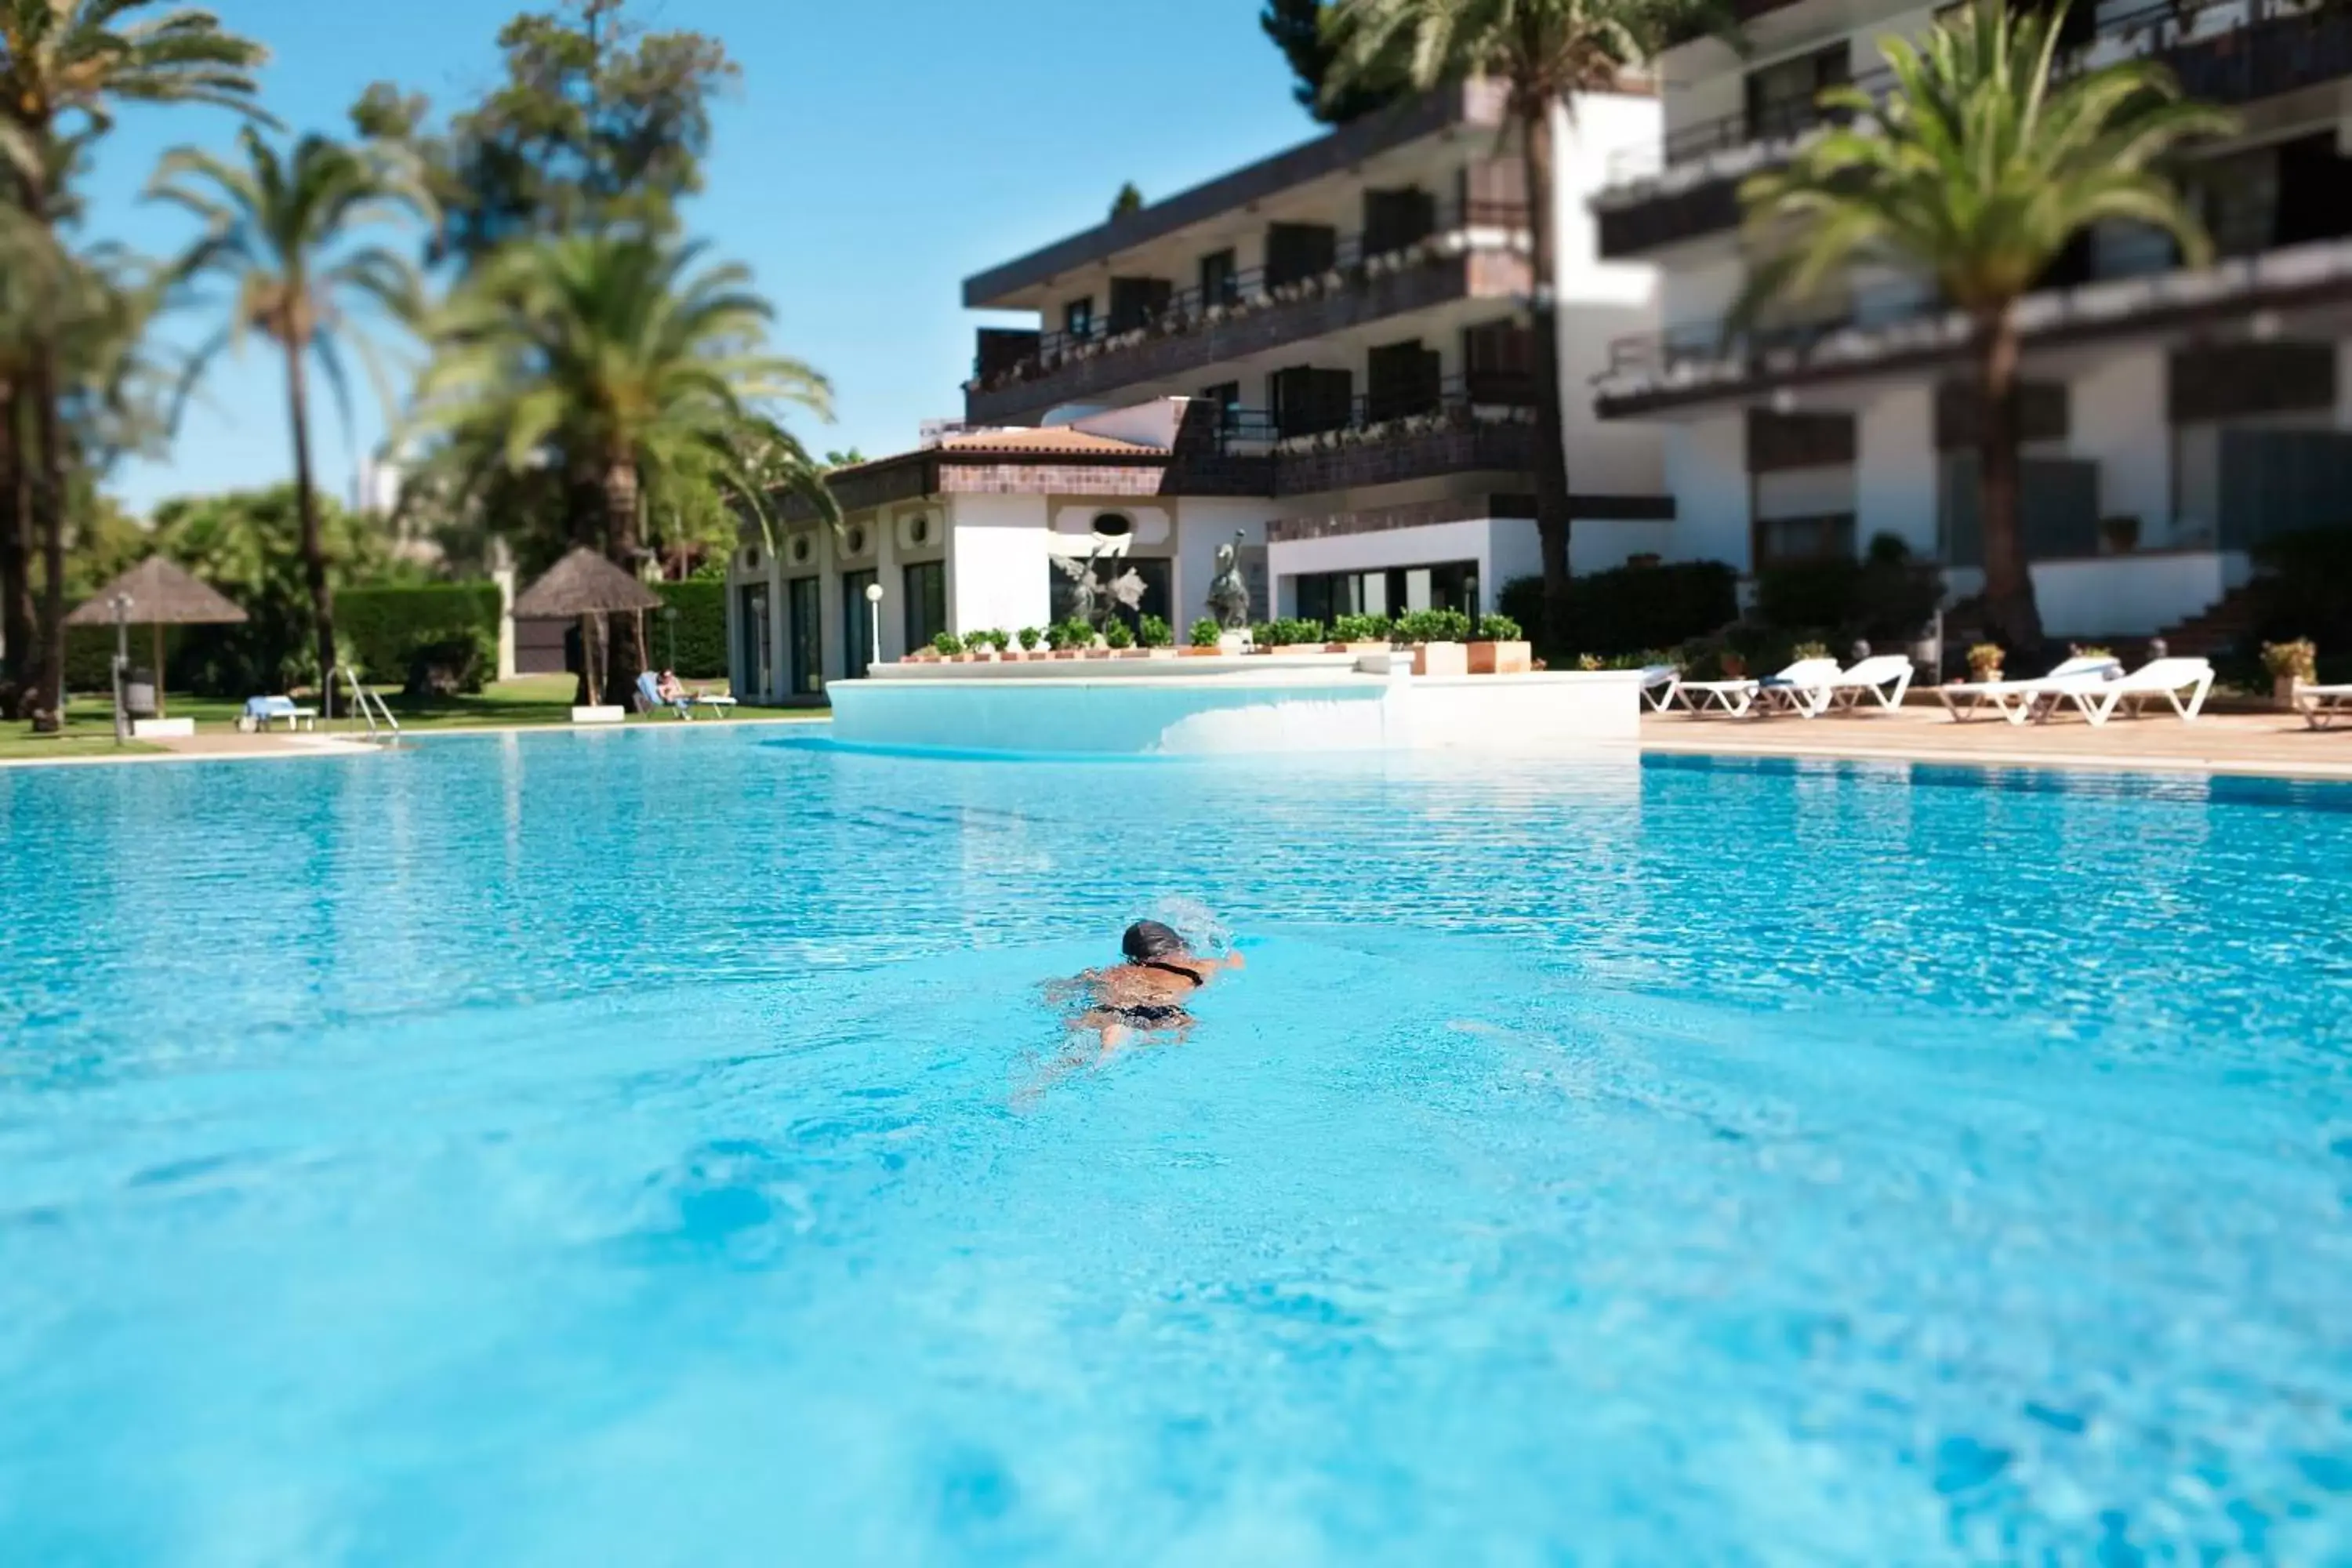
(158,630)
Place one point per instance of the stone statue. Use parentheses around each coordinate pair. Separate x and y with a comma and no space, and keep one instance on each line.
(1229,600)
(1091,600)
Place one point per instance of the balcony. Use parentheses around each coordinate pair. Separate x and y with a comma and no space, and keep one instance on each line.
(1477,250)
(2234,52)
(2130,290)
(1475,426)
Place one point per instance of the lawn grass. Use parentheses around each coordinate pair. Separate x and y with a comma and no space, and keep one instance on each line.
(530,699)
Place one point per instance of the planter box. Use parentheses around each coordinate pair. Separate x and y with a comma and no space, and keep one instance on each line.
(1354,647)
(1440,658)
(601,715)
(1500,659)
(1199,652)
(1064,652)
(1159,653)
(1131,653)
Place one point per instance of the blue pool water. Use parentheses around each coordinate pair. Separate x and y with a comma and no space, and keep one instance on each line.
(654,1148)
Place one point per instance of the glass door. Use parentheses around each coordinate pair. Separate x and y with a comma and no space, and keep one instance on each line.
(857,622)
(752,631)
(805,632)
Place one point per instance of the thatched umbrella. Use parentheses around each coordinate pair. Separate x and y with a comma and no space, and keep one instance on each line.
(583,584)
(159,594)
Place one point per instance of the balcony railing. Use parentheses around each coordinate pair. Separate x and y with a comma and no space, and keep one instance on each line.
(1456,231)
(2174,31)
(1481,422)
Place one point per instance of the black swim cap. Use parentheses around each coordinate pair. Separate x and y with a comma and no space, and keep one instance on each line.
(1147,940)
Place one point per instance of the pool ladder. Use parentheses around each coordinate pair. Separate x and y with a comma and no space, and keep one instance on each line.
(383,730)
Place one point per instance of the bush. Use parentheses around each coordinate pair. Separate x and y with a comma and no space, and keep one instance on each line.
(1029,637)
(998,639)
(1633,607)
(1359,628)
(1117,635)
(1887,598)
(384,630)
(1433,626)
(973,642)
(1289,632)
(1205,633)
(1154,632)
(701,629)
(1073,633)
(1498,629)
(947,645)
(442,669)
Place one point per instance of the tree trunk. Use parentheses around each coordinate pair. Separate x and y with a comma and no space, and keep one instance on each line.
(2011,619)
(17,617)
(1552,520)
(49,510)
(583,507)
(627,656)
(306,506)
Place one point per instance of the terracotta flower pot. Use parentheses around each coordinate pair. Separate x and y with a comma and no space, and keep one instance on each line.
(1500,657)
(1440,658)
(1199,652)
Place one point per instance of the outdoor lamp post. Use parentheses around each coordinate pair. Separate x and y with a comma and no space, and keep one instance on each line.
(669,619)
(873,617)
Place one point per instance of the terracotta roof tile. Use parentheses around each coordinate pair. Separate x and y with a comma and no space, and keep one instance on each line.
(1051,439)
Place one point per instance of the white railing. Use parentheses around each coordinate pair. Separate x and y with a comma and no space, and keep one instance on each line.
(383,728)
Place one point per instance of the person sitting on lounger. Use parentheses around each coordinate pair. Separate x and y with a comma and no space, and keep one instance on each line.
(669,689)
(1146,994)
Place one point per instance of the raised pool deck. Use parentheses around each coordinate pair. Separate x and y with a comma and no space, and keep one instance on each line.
(2269,745)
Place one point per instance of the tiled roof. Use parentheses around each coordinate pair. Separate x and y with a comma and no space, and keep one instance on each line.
(1050,440)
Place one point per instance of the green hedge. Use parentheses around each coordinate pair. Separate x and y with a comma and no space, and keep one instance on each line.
(1631,607)
(701,626)
(381,629)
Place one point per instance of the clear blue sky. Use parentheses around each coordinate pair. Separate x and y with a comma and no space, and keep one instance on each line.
(876,152)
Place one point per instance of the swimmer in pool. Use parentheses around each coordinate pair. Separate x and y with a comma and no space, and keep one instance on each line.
(1148,992)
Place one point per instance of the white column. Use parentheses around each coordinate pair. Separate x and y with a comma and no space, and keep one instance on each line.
(2117,417)
(505,578)
(1895,470)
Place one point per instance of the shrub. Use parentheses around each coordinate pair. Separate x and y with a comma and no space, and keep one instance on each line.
(947,645)
(441,670)
(1984,659)
(1205,633)
(1632,607)
(1073,633)
(1029,637)
(1498,629)
(973,642)
(998,639)
(700,629)
(1807,650)
(1360,629)
(1887,597)
(384,629)
(2298,659)
(1154,632)
(1289,632)
(1117,635)
(1433,626)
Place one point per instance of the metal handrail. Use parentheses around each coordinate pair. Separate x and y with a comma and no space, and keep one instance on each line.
(371,706)
(1455,398)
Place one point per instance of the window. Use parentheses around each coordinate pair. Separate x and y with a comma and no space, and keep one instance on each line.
(1393,591)
(751,671)
(1298,250)
(1781,97)
(804,637)
(857,622)
(1307,401)
(927,602)
(1404,380)
(1782,540)
(1221,281)
(1138,302)
(1113,524)
(1394,219)
(1499,363)
(1079,318)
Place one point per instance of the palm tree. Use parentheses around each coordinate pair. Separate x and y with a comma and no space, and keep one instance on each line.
(1975,174)
(1542,51)
(65,67)
(613,355)
(282,231)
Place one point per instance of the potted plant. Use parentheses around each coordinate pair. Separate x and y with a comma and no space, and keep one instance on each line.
(977,647)
(1201,639)
(2118,535)
(948,646)
(1082,637)
(1984,662)
(1358,634)
(999,640)
(1734,664)
(1060,642)
(1158,638)
(2291,664)
(1120,639)
(1499,648)
(1436,638)
(1029,637)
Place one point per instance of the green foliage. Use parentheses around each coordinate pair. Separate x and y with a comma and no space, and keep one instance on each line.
(947,645)
(1887,598)
(1299,28)
(1129,200)
(1359,628)
(1498,629)
(1632,607)
(1800,652)
(1117,634)
(1204,633)
(384,630)
(973,642)
(1029,637)
(1073,633)
(1433,626)
(1154,632)
(700,629)
(998,639)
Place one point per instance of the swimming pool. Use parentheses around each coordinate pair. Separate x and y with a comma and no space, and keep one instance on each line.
(649,1147)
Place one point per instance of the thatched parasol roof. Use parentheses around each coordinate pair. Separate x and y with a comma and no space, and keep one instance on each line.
(160,594)
(582,584)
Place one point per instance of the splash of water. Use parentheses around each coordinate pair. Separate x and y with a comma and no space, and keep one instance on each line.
(1197,924)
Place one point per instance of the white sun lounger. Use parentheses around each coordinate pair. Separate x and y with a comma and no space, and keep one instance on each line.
(1659,683)
(1737,699)
(1884,680)
(2323,705)
(2018,700)
(2165,680)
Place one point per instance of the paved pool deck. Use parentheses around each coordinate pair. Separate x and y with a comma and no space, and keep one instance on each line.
(2271,745)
